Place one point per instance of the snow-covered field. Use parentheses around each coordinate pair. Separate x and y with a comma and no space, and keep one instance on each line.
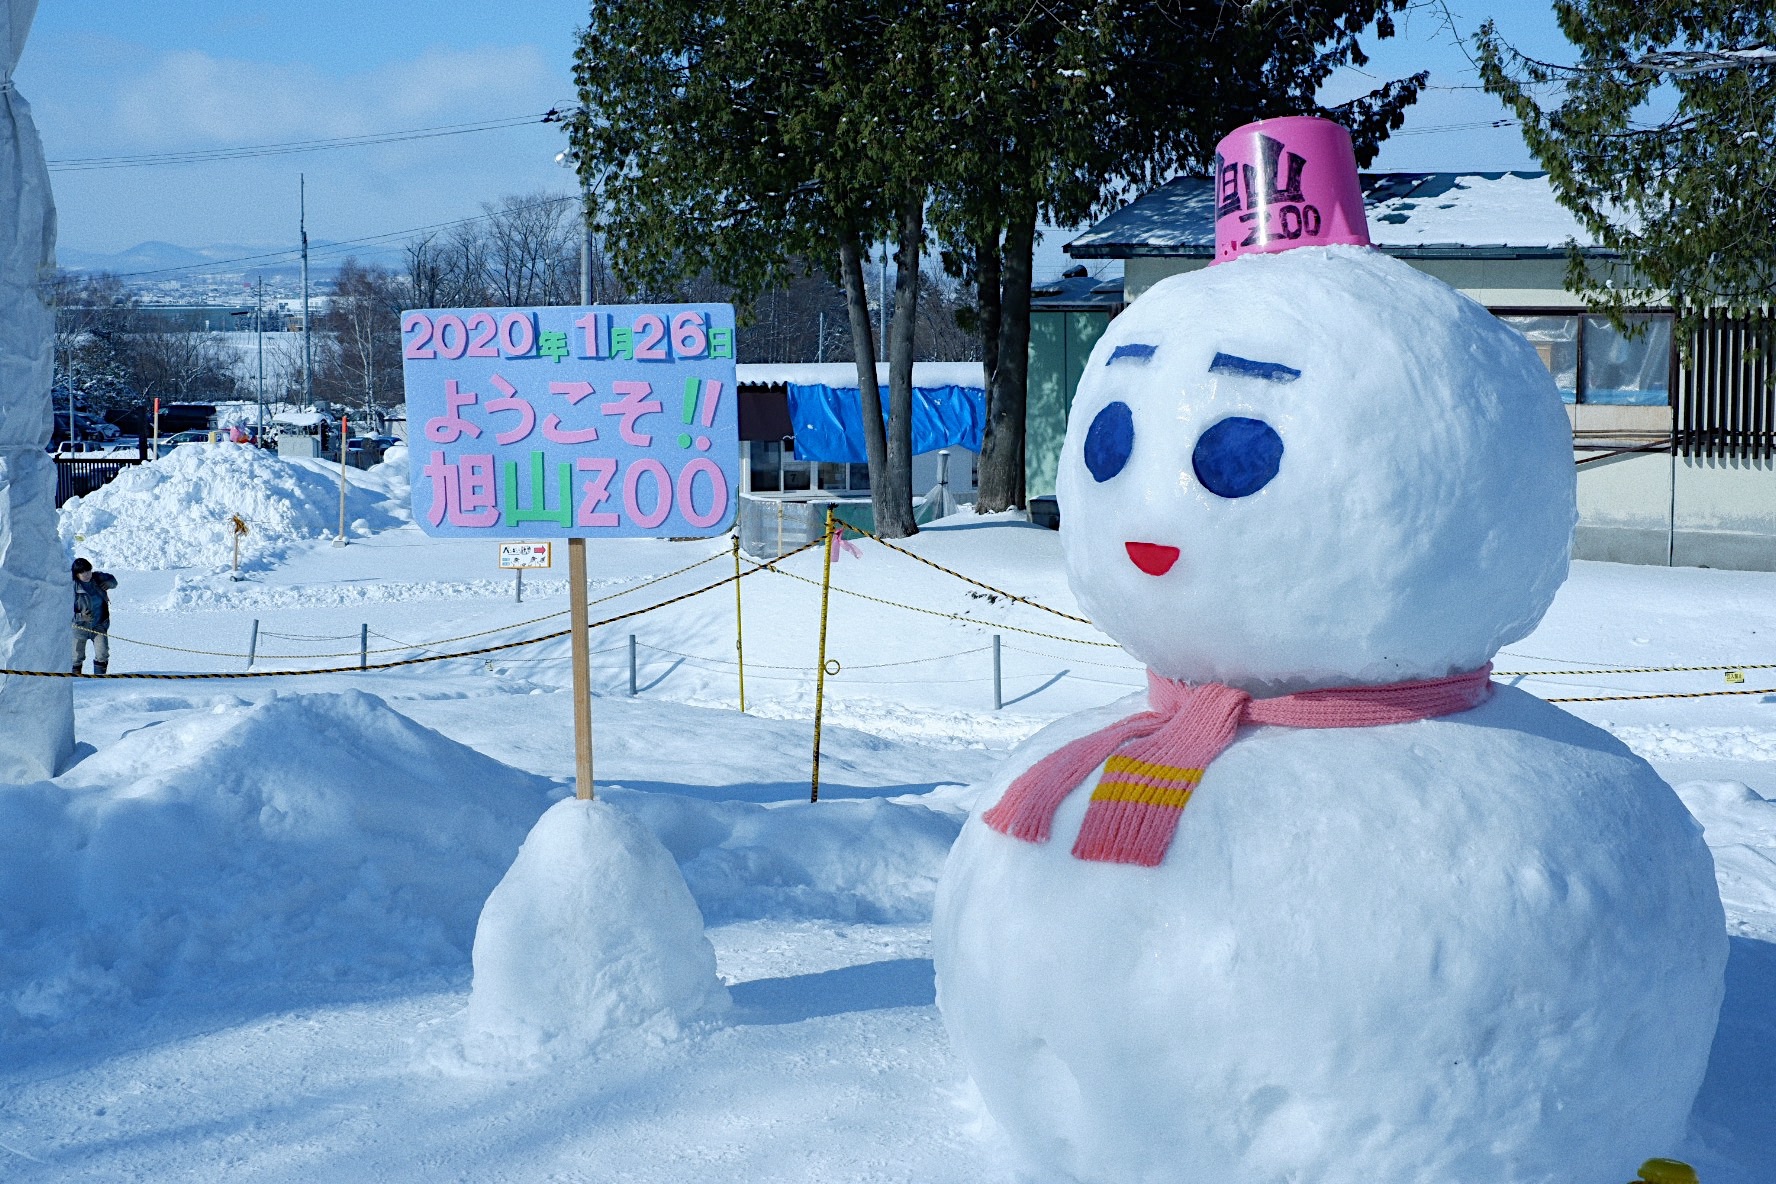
(235,936)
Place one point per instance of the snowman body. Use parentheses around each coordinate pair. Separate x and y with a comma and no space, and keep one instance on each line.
(1482,947)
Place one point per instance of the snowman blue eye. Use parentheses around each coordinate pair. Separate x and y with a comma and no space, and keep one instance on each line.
(1109,441)
(1237,456)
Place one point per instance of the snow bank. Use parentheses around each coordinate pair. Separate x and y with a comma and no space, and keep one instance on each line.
(174,512)
(309,838)
(328,839)
(592,933)
(875,860)
(1740,827)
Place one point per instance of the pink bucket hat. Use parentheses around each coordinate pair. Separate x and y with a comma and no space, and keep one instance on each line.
(1289,182)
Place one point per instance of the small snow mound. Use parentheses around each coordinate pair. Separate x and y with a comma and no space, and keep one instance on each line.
(591,934)
(745,860)
(318,838)
(1740,826)
(176,511)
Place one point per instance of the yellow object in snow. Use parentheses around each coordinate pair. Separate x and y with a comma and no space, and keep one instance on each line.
(1667,1171)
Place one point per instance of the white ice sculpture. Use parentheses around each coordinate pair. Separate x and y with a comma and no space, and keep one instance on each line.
(36,600)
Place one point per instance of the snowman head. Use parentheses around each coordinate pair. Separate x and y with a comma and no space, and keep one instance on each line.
(1314,468)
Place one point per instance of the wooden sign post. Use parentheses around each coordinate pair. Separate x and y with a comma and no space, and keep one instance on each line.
(582,668)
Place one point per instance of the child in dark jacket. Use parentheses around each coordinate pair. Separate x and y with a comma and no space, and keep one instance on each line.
(92,615)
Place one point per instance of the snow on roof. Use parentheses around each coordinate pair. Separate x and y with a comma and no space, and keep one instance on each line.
(844,374)
(1512,213)
(299,419)
(1077,292)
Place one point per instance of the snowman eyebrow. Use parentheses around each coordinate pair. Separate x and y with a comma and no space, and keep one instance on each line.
(1269,371)
(1134,352)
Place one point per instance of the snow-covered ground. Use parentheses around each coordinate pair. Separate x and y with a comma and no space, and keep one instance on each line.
(235,936)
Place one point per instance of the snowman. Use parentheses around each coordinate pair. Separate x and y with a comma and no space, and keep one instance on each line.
(1326,906)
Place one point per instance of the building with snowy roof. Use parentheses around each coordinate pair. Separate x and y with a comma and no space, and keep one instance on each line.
(1674,456)
(802,448)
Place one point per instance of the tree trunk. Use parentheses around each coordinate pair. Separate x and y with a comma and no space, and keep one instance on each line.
(863,348)
(894,497)
(986,275)
(1002,451)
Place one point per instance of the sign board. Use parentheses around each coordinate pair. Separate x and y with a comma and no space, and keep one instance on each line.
(523,555)
(615,421)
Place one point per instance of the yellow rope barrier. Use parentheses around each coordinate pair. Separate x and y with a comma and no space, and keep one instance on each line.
(424,658)
(823,668)
(398,649)
(965,579)
(931,612)
(1629,670)
(1660,695)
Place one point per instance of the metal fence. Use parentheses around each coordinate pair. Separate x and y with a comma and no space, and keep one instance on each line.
(77,477)
(1726,396)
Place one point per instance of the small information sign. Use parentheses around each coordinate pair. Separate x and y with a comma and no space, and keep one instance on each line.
(522,555)
(613,421)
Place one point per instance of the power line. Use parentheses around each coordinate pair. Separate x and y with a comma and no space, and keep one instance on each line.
(285,148)
(1476,125)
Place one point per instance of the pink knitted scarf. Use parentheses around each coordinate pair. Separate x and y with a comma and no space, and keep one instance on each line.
(1154,760)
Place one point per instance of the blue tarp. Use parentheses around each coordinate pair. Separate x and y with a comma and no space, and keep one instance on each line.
(828,421)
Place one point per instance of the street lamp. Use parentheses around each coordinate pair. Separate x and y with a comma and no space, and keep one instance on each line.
(568,159)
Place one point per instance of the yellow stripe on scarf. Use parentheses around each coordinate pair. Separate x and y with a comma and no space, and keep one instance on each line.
(1128,764)
(1109,790)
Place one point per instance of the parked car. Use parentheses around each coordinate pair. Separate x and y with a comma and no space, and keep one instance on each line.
(67,448)
(168,443)
(118,449)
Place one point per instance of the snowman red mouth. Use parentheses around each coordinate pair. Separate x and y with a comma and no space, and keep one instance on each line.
(1153,558)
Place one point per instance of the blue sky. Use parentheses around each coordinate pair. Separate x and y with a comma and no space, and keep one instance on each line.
(138,76)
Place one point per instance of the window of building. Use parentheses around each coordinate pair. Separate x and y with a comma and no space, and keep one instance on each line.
(1593,362)
(798,475)
(772,468)
(1556,340)
(764,462)
(1628,371)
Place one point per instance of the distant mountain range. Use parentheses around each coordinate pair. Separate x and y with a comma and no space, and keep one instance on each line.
(221,259)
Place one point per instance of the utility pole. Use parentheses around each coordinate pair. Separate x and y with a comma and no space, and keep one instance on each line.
(307,339)
(882,310)
(370,372)
(585,243)
(69,378)
(259,328)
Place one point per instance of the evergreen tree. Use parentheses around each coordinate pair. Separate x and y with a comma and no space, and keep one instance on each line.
(1659,139)
(1064,107)
(741,137)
